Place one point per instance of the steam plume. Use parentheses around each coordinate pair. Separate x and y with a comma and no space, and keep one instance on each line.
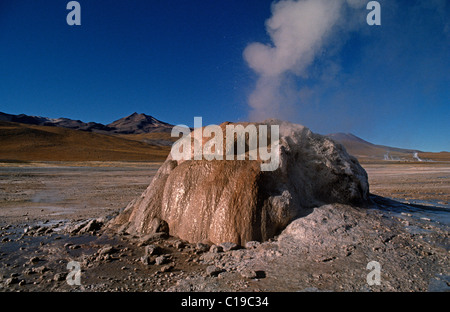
(416,157)
(298,31)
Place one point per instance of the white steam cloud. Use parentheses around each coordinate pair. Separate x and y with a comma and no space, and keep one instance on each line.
(298,30)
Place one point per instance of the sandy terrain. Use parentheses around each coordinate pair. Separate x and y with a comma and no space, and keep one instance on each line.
(42,203)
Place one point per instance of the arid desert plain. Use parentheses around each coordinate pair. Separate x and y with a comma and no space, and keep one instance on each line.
(52,213)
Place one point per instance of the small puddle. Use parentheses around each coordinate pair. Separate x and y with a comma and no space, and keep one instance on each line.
(420,210)
(441,283)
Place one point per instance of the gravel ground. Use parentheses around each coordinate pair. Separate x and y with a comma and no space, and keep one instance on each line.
(52,216)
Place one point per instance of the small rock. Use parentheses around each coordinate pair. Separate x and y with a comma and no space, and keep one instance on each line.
(11,281)
(34,260)
(14,275)
(250,274)
(212,270)
(104,257)
(41,230)
(179,244)
(106,250)
(91,226)
(41,269)
(27,229)
(166,268)
(151,250)
(227,246)
(145,260)
(252,244)
(150,238)
(216,249)
(28,271)
(59,277)
(210,257)
(22,283)
(161,260)
(200,247)
(76,228)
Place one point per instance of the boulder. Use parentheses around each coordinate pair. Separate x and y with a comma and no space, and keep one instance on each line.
(235,201)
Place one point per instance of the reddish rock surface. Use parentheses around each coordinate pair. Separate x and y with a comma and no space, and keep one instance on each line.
(234,201)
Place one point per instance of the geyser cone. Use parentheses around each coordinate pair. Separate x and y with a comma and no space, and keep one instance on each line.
(235,201)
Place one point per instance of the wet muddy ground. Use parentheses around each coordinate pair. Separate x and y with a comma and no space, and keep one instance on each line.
(41,205)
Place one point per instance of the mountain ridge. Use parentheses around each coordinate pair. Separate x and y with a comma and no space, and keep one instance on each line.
(366,151)
(132,124)
(153,132)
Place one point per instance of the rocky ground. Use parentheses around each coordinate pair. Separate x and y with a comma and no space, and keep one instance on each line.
(328,250)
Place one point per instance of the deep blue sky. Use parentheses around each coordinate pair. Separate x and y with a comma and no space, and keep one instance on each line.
(176,59)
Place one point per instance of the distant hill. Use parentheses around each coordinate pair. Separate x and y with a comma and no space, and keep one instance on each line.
(25,142)
(138,124)
(364,150)
(133,124)
(442,156)
(54,122)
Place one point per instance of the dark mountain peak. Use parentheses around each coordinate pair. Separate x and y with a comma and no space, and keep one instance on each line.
(139,123)
(22,118)
(135,115)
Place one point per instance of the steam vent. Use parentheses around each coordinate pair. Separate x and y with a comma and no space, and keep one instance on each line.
(235,201)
